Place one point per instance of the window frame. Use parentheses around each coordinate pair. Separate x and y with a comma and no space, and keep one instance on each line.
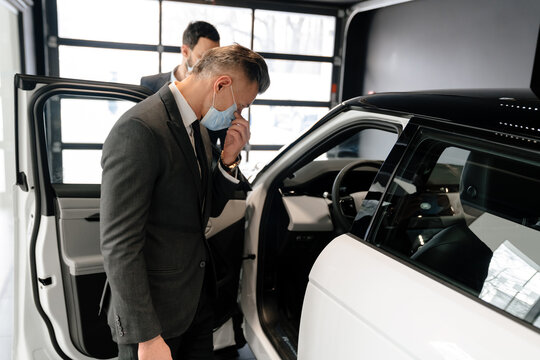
(52,122)
(39,129)
(53,41)
(447,135)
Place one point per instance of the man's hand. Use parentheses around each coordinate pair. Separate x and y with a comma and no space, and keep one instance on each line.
(237,137)
(154,349)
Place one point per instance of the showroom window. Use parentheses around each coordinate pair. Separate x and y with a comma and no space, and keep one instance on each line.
(470,217)
(81,125)
(123,40)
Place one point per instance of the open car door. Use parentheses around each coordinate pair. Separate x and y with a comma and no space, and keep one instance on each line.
(60,129)
(300,202)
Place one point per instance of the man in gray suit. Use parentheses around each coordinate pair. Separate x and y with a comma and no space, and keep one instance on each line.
(159,188)
(198,37)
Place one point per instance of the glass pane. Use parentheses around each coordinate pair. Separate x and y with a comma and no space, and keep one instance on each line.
(293,33)
(124,66)
(279,125)
(81,166)
(298,80)
(233,24)
(252,164)
(513,281)
(130,21)
(471,218)
(368,144)
(78,120)
(89,120)
(169,61)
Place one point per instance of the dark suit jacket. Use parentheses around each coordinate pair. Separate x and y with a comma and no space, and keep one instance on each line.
(155,82)
(153,221)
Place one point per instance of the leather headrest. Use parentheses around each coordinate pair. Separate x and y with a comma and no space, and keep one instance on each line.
(501,186)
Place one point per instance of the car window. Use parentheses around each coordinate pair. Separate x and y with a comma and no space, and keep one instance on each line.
(470,217)
(76,128)
(373,144)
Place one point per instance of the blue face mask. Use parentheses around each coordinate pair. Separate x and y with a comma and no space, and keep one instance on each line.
(218,120)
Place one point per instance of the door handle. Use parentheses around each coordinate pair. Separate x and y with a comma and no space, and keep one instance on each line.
(93,217)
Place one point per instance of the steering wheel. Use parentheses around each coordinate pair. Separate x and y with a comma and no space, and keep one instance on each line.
(342,203)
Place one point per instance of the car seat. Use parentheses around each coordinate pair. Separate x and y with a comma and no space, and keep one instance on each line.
(456,252)
(504,187)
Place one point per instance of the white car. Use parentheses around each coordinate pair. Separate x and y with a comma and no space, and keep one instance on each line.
(400,226)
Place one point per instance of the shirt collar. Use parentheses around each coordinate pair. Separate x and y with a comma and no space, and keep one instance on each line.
(186,112)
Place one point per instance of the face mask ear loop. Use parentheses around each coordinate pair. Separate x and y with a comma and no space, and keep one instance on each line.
(214,99)
(233,96)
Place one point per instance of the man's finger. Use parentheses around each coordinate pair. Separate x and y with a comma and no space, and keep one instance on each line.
(242,129)
(244,125)
(236,136)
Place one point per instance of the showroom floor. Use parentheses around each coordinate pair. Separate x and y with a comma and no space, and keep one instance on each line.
(242,354)
(245,354)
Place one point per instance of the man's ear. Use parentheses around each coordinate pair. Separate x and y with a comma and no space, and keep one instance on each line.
(185,51)
(222,81)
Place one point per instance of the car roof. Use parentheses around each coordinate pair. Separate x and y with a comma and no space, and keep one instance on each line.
(515,111)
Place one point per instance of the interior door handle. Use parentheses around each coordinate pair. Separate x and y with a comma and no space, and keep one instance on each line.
(93,217)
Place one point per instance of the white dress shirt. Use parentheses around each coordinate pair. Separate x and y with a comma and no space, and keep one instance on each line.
(188,117)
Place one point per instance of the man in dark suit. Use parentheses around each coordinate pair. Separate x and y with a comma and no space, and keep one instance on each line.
(198,37)
(159,188)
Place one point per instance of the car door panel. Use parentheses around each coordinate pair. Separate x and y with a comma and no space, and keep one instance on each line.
(369,342)
(308,213)
(234,211)
(83,274)
(78,222)
(269,208)
(375,289)
(58,212)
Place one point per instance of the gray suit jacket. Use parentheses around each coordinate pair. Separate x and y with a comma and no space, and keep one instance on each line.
(153,221)
(155,82)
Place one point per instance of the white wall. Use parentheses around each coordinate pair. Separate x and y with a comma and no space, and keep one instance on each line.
(9,65)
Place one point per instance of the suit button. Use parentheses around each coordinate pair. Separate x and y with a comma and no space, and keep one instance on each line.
(202,264)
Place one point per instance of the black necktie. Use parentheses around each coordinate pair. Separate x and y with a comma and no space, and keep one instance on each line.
(201,153)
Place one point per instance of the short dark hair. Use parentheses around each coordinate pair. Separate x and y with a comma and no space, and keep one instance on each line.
(196,30)
(220,60)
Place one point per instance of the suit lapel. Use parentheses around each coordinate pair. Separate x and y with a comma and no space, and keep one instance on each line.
(181,137)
